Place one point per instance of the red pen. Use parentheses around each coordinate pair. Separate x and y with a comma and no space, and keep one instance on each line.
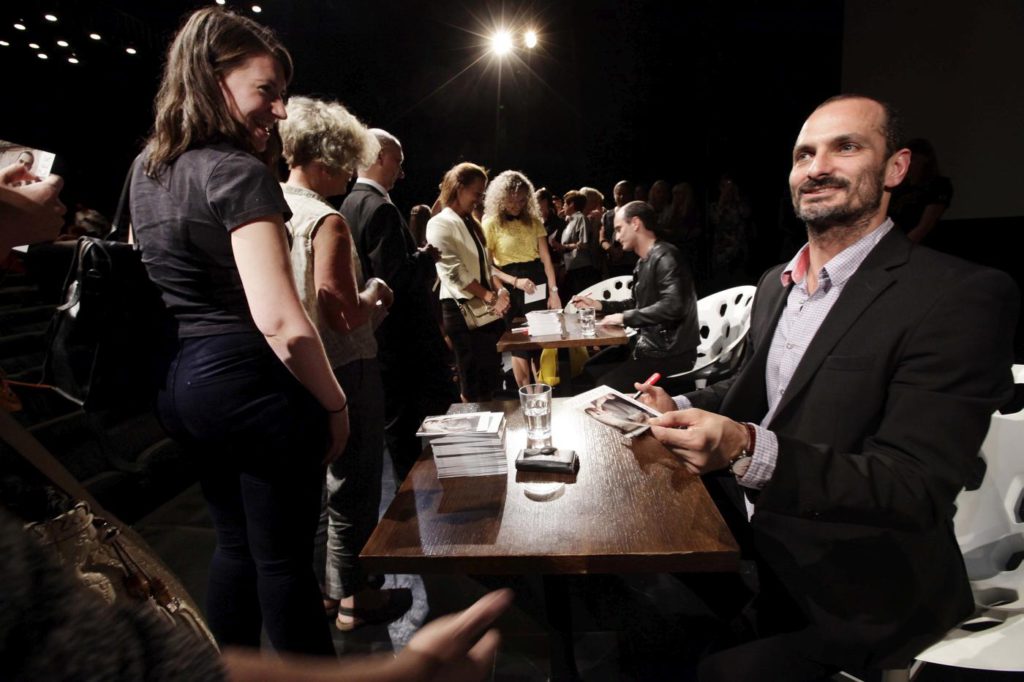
(651,380)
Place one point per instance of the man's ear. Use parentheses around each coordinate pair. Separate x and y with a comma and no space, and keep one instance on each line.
(896,168)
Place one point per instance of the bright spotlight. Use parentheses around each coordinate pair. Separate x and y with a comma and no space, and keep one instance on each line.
(62,43)
(20,27)
(72,60)
(530,39)
(34,46)
(501,43)
(50,17)
(256,9)
(96,36)
(131,50)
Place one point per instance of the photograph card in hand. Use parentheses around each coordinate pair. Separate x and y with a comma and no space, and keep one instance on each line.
(617,410)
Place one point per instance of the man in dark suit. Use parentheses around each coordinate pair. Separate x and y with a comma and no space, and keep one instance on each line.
(417,382)
(873,369)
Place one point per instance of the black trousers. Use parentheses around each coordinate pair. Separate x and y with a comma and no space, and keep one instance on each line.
(476,353)
(258,439)
(533,271)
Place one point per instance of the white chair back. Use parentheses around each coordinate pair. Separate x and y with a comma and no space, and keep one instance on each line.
(989,526)
(612,289)
(724,319)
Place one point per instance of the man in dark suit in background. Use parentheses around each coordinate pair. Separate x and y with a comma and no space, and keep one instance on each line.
(416,378)
(873,369)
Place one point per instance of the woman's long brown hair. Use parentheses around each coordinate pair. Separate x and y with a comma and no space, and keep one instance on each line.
(190,107)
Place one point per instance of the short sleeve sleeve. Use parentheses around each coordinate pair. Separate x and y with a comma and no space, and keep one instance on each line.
(538,230)
(241,189)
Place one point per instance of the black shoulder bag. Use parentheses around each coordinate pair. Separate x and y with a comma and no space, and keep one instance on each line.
(111,339)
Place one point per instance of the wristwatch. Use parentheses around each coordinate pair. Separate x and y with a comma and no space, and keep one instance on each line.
(739,464)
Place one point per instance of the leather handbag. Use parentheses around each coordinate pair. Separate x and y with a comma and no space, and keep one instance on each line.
(475,311)
(106,556)
(111,339)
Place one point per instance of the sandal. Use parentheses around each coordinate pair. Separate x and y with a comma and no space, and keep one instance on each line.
(331,607)
(397,603)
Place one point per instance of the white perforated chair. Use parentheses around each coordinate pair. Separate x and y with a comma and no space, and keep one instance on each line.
(611,289)
(723,319)
(989,525)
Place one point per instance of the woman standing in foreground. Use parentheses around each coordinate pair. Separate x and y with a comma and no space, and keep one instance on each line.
(518,244)
(468,282)
(250,393)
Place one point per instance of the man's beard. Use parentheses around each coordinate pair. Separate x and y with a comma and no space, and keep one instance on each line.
(858,208)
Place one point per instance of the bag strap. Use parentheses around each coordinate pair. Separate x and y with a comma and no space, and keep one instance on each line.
(26,445)
(123,212)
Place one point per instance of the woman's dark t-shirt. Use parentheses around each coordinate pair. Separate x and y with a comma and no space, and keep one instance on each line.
(183,219)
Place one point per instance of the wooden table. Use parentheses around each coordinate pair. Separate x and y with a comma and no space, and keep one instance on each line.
(571,338)
(629,509)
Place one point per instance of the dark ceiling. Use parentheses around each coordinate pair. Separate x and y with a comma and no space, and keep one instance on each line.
(642,89)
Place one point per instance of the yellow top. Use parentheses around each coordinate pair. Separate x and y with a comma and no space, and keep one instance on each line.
(513,241)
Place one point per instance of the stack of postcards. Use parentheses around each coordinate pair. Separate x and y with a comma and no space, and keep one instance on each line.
(544,322)
(470,444)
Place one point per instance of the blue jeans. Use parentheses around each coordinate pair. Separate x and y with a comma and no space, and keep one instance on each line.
(258,438)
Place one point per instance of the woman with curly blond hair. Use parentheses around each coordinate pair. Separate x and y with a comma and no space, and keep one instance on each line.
(517,243)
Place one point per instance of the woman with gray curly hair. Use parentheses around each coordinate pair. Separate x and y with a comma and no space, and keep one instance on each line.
(323,145)
(517,243)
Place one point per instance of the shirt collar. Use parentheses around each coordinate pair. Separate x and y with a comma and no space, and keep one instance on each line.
(843,264)
(374,184)
(303,191)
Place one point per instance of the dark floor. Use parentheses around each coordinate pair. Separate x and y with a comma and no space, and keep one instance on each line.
(645,627)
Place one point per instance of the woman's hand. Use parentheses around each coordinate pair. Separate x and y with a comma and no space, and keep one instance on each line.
(553,300)
(458,647)
(501,302)
(524,284)
(337,424)
(381,291)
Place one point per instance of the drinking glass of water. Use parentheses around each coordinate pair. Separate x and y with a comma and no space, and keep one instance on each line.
(536,401)
(587,321)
